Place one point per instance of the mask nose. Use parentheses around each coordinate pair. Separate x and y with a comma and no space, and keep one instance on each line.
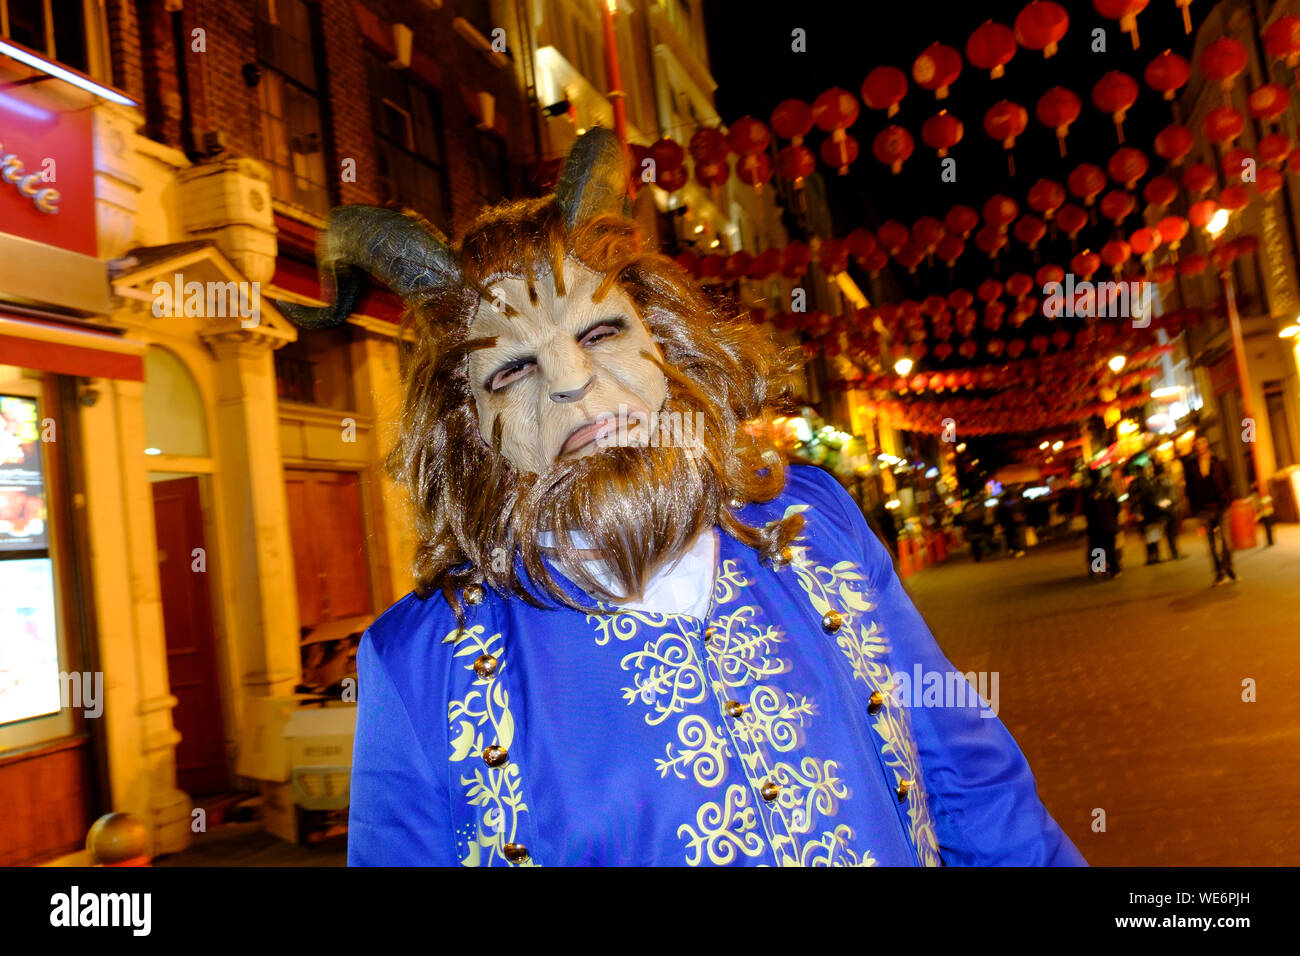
(565,392)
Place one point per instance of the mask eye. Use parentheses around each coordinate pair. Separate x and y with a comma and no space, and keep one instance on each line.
(600,332)
(508,374)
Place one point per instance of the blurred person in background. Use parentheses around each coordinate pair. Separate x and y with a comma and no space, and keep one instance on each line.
(1209,495)
(1101,509)
(1169,498)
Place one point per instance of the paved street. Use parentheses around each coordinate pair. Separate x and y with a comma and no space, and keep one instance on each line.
(1126,695)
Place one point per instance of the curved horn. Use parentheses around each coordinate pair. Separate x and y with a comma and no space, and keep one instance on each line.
(400,251)
(594,179)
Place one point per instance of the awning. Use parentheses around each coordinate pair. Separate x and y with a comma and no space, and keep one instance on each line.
(69,350)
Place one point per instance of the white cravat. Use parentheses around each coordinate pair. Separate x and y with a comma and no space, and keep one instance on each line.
(684,587)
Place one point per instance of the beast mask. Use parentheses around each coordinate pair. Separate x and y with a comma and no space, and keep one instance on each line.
(570,398)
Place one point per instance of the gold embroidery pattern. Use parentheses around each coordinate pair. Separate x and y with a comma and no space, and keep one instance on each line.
(722,829)
(705,751)
(864,644)
(494,789)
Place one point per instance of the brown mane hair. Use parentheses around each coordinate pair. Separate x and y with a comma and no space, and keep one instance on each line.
(474,513)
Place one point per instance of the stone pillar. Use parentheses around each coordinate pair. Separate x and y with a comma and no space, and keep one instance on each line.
(263,603)
(139,735)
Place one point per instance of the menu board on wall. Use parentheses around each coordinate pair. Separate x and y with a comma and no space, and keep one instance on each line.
(29,640)
(23,512)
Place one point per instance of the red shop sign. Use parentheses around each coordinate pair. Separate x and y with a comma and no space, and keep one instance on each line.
(47,183)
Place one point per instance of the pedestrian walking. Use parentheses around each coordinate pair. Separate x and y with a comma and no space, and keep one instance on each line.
(1101,511)
(1145,497)
(1167,498)
(1209,494)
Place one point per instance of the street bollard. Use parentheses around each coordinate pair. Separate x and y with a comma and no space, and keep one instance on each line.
(118,839)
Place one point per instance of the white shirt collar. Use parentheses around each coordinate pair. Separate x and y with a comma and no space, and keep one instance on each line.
(684,587)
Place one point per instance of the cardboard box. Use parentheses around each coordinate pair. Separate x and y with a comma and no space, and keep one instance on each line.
(279,812)
(321,736)
(265,754)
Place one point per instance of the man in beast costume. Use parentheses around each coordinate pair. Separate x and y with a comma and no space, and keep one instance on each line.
(632,644)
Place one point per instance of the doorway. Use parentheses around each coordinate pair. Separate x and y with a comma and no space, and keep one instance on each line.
(192,673)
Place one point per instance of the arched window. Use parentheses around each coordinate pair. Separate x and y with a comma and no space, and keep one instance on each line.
(174,419)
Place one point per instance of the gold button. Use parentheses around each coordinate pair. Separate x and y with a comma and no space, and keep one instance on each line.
(515,852)
(737,503)
(875,703)
(735,708)
(495,756)
(784,556)
(770,790)
(831,621)
(708,634)
(903,787)
(485,666)
(474,594)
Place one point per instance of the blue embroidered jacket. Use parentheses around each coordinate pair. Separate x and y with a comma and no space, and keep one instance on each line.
(777,731)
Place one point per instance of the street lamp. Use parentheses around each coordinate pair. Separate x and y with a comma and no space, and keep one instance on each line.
(1117,362)
(1290,332)
(1218,222)
(903,365)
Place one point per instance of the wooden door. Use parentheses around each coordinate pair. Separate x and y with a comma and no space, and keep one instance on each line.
(329,545)
(191,648)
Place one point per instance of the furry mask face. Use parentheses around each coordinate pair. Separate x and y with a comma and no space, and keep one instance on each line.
(565,372)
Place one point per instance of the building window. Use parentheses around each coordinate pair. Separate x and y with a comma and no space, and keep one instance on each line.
(317,370)
(407,120)
(292,143)
(53,28)
(479,15)
(493,169)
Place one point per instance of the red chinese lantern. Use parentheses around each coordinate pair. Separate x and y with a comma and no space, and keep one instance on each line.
(1127,166)
(839,152)
(708,146)
(1000,211)
(991,239)
(960,299)
(1174,142)
(1071,219)
(991,47)
(994,347)
(967,349)
(1016,348)
(1160,191)
(1269,102)
(892,146)
(1223,60)
(1086,182)
(738,265)
(988,290)
(1125,11)
(1060,338)
(1274,148)
(1041,25)
(1163,273)
(1045,197)
(1115,93)
(874,261)
(748,136)
(1282,40)
(926,232)
(1057,109)
(1197,178)
(688,261)
(936,69)
(795,259)
(1030,230)
(884,88)
(1234,198)
(860,242)
(1293,161)
(1049,274)
(942,132)
(711,266)
(669,164)
(1085,264)
(832,256)
(1020,285)
(1038,343)
(993,314)
(712,173)
(1200,213)
(1245,245)
(961,220)
(792,120)
(1236,163)
(1145,241)
(1223,255)
(671,180)
(1004,121)
(934,305)
(942,351)
(1192,265)
(1173,229)
(1223,124)
(766,264)
(1267,181)
(893,236)
(1115,253)
(1167,73)
(794,163)
(755,170)
(1116,205)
